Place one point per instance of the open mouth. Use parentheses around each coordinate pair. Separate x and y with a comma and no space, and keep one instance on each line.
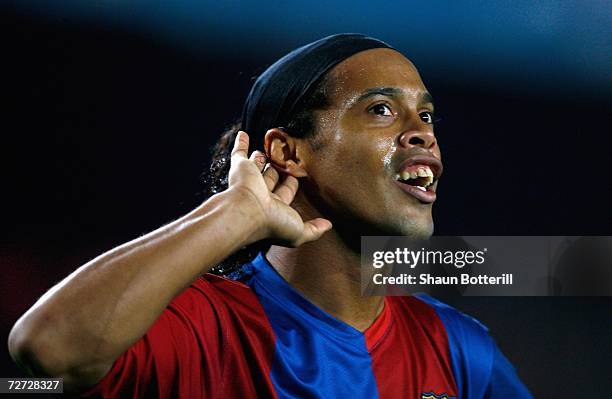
(417,176)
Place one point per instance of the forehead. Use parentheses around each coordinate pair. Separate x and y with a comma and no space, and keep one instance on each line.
(379,67)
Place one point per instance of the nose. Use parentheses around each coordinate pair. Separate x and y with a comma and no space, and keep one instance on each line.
(418,138)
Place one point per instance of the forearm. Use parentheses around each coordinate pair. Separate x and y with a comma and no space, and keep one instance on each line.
(102,308)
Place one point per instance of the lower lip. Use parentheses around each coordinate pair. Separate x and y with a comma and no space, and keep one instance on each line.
(427,197)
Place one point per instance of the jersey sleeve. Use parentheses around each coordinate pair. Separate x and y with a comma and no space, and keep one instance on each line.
(504,382)
(179,356)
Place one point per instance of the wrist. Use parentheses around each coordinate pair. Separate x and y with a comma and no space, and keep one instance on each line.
(242,214)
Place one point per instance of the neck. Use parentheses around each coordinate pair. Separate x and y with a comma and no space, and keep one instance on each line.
(327,273)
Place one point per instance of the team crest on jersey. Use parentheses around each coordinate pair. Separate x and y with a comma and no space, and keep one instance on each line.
(431,395)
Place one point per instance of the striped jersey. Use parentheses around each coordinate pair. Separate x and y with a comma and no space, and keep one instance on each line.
(260,338)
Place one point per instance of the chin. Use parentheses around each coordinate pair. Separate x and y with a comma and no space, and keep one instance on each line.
(421,232)
(416,228)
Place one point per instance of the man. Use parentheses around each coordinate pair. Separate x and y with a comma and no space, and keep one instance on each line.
(350,119)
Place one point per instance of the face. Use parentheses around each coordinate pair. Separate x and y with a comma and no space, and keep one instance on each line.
(377,161)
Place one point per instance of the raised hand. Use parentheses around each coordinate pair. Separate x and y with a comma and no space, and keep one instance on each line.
(270,197)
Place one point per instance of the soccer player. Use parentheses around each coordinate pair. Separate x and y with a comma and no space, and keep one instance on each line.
(348,119)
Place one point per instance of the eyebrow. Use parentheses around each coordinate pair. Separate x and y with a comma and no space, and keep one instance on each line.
(384,91)
(425,98)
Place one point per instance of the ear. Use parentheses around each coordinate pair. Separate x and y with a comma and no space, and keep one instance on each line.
(281,151)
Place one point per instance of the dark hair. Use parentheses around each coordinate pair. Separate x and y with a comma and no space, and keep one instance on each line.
(301,124)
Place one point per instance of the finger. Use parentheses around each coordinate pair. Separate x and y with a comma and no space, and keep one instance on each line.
(241,145)
(314,229)
(259,158)
(270,177)
(286,189)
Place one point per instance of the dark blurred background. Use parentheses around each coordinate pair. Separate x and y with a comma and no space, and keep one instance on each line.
(110,109)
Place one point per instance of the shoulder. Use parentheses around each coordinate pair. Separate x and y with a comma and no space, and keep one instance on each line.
(211,285)
(430,311)
(471,348)
(480,368)
(451,315)
(220,293)
(467,337)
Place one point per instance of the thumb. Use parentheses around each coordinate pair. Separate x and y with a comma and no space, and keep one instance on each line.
(314,229)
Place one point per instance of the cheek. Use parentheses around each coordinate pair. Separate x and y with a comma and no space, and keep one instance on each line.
(387,147)
(354,168)
(371,157)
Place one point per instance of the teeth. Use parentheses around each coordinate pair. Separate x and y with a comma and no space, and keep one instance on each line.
(424,171)
(421,188)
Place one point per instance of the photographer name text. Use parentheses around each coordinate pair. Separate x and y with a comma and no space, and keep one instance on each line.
(428,279)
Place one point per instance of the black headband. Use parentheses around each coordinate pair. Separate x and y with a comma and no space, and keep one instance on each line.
(281,87)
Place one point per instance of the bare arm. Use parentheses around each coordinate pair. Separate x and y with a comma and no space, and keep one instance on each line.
(78,328)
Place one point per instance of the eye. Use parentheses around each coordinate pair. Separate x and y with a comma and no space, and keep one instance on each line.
(381,110)
(427,117)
